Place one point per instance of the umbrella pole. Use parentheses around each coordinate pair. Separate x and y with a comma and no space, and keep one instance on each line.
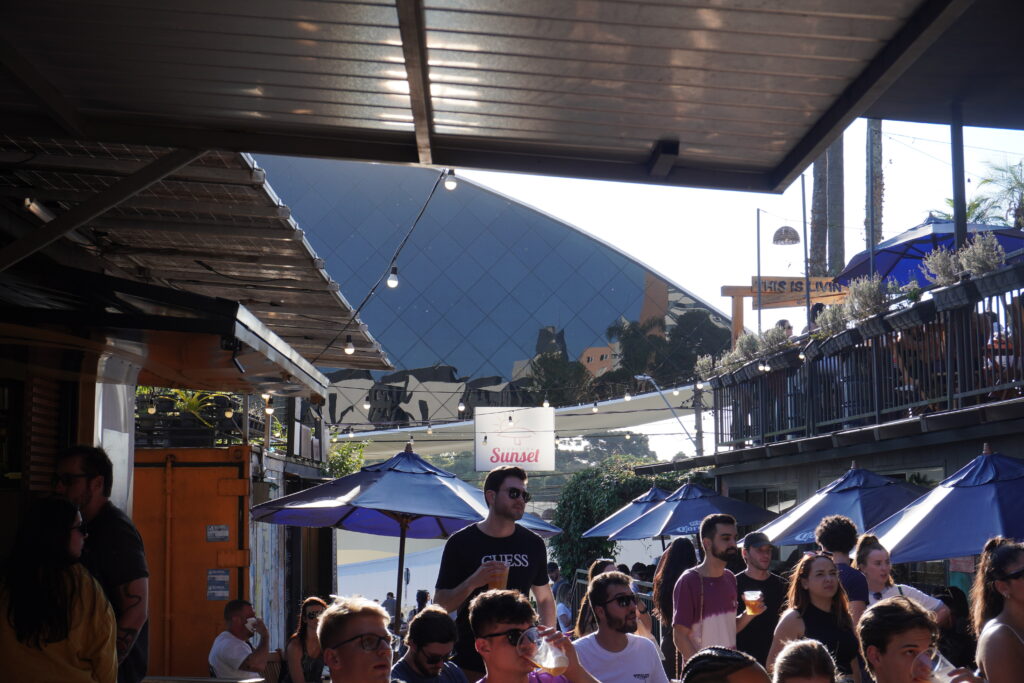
(403,522)
(662,539)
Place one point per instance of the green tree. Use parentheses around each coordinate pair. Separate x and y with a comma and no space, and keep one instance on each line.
(979,210)
(591,495)
(638,343)
(1006,182)
(562,381)
(695,334)
(345,457)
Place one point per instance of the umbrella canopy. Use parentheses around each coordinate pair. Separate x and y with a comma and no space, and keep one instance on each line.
(898,258)
(985,498)
(405,497)
(627,513)
(863,496)
(682,512)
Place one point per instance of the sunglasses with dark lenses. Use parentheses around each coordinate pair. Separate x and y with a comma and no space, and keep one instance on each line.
(437,659)
(1014,575)
(623,600)
(66,479)
(514,493)
(314,615)
(371,642)
(818,553)
(513,635)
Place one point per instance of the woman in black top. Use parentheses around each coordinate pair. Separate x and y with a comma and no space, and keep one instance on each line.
(818,609)
(304,660)
(679,557)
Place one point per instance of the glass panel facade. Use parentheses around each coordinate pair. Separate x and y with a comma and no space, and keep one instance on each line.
(489,289)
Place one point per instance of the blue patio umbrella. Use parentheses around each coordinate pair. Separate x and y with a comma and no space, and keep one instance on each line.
(405,497)
(985,498)
(899,257)
(682,512)
(627,513)
(863,496)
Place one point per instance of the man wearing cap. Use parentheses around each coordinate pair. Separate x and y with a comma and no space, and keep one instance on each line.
(756,637)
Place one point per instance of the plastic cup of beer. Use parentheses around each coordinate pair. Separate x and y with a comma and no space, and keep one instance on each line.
(939,668)
(750,600)
(499,580)
(541,653)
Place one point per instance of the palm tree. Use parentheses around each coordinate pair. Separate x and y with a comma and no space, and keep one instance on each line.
(979,210)
(638,342)
(1007,183)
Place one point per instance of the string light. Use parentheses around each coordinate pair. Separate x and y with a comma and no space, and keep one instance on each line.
(628,436)
(151,407)
(229,413)
(350,348)
(265,396)
(546,403)
(393,277)
(366,403)
(430,428)
(450,183)
(462,407)
(269,410)
(627,397)
(700,385)
(351,432)
(675,392)
(594,409)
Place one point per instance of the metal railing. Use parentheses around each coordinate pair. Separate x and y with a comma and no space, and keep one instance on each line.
(927,361)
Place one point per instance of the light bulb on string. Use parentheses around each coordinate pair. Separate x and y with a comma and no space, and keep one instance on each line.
(265,396)
(594,409)
(269,410)
(350,348)
(450,183)
(151,407)
(393,277)
(627,397)
(700,385)
(462,407)
(351,432)
(229,413)
(675,392)
(546,403)
(628,436)
(366,403)
(430,428)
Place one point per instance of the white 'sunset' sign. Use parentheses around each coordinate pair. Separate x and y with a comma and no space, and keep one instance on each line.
(515,436)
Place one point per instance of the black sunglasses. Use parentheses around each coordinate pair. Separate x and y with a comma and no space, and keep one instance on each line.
(67,479)
(624,600)
(818,553)
(437,659)
(514,493)
(513,635)
(1014,575)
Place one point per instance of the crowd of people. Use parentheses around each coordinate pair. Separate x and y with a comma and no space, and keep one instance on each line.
(836,617)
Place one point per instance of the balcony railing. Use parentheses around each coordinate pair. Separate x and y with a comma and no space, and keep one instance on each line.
(937,355)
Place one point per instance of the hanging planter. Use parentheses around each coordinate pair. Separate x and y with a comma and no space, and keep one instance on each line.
(790,358)
(955,296)
(921,313)
(840,342)
(875,326)
(1000,281)
(716,381)
(727,379)
(748,371)
(812,350)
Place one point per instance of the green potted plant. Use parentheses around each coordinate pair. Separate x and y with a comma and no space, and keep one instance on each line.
(867,302)
(912,310)
(728,363)
(985,259)
(833,324)
(777,350)
(705,370)
(748,349)
(942,267)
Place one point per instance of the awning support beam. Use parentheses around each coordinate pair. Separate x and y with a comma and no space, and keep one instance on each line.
(48,97)
(99,204)
(412,26)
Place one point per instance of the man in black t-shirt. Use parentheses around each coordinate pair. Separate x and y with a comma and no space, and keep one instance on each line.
(756,637)
(479,556)
(113,552)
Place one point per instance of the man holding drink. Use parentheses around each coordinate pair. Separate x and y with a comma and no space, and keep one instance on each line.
(493,554)
(757,583)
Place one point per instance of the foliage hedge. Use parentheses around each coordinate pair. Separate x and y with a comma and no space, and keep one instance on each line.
(593,494)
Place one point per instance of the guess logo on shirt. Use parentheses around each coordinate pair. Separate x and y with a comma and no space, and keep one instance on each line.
(511,559)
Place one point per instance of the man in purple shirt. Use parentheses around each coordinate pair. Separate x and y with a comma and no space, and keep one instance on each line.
(705,596)
(837,535)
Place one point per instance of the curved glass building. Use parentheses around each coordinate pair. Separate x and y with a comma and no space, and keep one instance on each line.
(498,303)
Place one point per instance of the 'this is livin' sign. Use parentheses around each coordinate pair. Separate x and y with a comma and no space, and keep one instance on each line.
(783,292)
(524,437)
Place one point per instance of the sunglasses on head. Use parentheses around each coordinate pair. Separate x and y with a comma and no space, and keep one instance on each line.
(818,553)
(514,493)
(624,600)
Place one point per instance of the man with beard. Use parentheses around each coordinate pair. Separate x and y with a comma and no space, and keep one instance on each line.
(705,596)
(431,639)
(613,651)
(756,637)
(113,552)
(495,553)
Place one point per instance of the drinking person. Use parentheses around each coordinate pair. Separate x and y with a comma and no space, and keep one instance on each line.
(998,599)
(818,610)
(756,637)
(873,562)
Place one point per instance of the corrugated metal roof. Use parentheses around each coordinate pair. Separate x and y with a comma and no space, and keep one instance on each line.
(214,227)
(721,93)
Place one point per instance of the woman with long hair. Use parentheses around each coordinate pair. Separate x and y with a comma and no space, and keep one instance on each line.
(818,609)
(872,559)
(804,661)
(679,557)
(998,614)
(55,622)
(586,623)
(304,660)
